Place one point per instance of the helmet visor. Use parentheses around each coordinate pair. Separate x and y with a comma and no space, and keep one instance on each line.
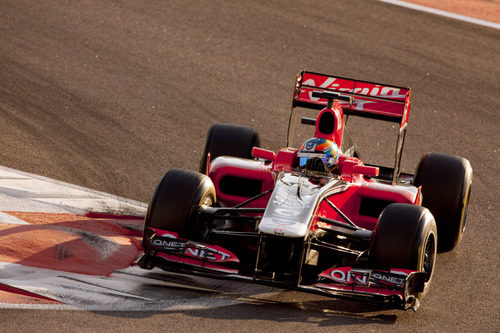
(305,156)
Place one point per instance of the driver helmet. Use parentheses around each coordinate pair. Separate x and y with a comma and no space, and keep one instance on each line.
(324,149)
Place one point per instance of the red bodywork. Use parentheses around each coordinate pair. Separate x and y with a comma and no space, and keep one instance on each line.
(350,169)
(369,99)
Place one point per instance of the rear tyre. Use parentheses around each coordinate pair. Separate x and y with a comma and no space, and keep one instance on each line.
(406,237)
(228,140)
(171,207)
(446,185)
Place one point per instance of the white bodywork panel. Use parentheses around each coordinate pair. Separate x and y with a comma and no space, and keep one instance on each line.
(291,206)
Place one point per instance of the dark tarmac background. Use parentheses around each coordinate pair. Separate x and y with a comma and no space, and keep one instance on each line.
(109,95)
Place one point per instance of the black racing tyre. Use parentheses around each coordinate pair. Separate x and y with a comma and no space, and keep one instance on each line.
(228,140)
(406,237)
(173,199)
(446,184)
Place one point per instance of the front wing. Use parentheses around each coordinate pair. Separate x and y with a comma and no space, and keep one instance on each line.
(171,253)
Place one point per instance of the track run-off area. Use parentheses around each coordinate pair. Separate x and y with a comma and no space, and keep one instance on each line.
(70,248)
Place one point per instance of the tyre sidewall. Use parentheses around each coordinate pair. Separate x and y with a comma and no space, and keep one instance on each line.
(171,207)
(446,186)
(228,140)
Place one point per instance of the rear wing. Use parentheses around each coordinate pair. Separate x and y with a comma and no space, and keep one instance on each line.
(369,99)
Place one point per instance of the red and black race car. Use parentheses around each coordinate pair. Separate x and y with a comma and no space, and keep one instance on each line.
(315,217)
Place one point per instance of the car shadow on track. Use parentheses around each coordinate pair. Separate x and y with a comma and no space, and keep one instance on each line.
(317,310)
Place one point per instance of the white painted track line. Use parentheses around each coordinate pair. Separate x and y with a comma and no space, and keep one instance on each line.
(444,13)
(22,191)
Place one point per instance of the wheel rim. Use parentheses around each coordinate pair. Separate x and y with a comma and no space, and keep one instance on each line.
(466,208)
(429,256)
(202,229)
(207,201)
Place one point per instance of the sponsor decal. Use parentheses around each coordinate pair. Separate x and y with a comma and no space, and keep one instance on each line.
(194,250)
(282,221)
(285,212)
(388,278)
(310,155)
(168,244)
(365,277)
(208,253)
(349,276)
(356,87)
(364,98)
(310,146)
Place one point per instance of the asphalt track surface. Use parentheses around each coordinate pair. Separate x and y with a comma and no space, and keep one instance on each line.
(109,95)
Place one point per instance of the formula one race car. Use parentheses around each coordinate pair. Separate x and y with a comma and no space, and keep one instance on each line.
(313,218)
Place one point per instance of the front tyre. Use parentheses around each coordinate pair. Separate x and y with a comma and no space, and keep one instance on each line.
(406,238)
(171,207)
(228,140)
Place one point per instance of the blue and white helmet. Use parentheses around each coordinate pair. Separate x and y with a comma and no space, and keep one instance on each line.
(323,149)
